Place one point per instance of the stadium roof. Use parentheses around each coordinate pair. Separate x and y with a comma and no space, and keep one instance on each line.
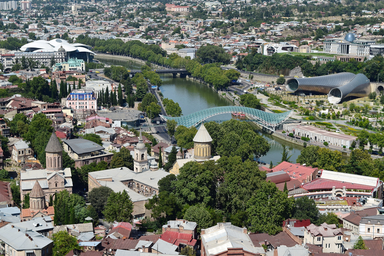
(54,46)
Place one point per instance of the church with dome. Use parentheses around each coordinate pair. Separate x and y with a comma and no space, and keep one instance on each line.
(42,184)
(202,150)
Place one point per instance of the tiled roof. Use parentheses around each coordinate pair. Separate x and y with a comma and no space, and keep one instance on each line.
(177,238)
(295,171)
(320,184)
(5,192)
(152,238)
(37,191)
(281,238)
(324,230)
(278,177)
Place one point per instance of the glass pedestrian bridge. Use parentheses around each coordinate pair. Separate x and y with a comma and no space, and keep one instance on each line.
(267,120)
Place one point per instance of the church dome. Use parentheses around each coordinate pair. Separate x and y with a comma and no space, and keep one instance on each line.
(140,144)
(37,191)
(54,145)
(350,37)
(202,135)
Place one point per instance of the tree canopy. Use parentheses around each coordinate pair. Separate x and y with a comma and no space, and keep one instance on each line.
(63,243)
(98,198)
(119,207)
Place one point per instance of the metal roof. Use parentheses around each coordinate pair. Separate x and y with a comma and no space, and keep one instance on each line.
(82,146)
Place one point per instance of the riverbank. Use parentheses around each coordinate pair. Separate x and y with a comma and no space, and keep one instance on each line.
(125,58)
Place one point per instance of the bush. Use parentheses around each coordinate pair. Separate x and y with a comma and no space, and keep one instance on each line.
(311,118)
(344,147)
(325,143)
(290,135)
(305,138)
(280,80)
(283,131)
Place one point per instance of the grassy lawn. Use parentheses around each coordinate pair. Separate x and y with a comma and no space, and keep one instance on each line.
(337,202)
(277,111)
(348,130)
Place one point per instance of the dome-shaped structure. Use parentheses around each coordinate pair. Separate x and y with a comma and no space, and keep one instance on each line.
(202,143)
(61,49)
(350,37)
(140,144)
(54,145)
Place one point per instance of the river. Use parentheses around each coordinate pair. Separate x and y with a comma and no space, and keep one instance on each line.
(193,96)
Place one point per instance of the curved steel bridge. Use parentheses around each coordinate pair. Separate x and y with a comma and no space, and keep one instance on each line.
(267,120)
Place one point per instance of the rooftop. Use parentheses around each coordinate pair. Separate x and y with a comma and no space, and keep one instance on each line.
(202,135)
(324,230)
(187,225)
(82,146)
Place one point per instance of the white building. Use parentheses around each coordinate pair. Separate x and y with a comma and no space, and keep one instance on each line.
(326,236)
(371,227)
(320,135)
(98,85)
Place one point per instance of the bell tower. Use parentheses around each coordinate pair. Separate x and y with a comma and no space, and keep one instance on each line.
(140,161)
(53,154)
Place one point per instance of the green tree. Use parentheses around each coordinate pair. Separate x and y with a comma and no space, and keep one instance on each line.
(147,100)
(211,54)
(171,127)
(360,245)
(305,208)
(172,108)
(94,138)
(284,155)
(122,159)
(250,101)
(188,250)
(184,136)
(268,208)
(280,80)
(98,198)
(26,201)
(160,159)
(120,96)
(119,207)
(154,110)
(329,218)
(63,243)
(200,215)
(171,159)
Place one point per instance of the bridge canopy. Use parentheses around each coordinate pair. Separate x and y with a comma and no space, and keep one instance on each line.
(267,120)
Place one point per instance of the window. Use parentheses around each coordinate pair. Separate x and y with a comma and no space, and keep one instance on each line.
(369,230)
(378,230)
(319,239)
(339,238)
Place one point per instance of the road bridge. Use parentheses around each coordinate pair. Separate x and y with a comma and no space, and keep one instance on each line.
(267,120)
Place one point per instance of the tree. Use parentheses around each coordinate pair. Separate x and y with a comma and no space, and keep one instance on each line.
(120,96)
(26,201)
(171,159)
(211,54)
(171,127)
(305,208)
(188,250)
(329,218)
(284,155)
(268,208)
(98,198)
(122,159)
(160,159)
(250,101)
(172,108)
(94,138)
(200,215)
(280,80)
(63,243)
(154,110)
(147,100)
(360,244)
(308,155)
(184,136)
(119,207)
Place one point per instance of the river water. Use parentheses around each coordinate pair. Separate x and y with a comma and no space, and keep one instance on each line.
(193,96)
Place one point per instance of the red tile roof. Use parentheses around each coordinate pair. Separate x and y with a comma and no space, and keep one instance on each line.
(5,192)
(60,135)
(321,184)
(355,217)
(177,238)
(296,171)
(281,238)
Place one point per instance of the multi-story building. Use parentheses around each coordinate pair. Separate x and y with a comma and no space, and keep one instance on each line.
(352,221)
(17,241)
(21,152)
(8,5)
(85,152)
(43,58)
(73,64)
(326,236)
(25,5)
(371,227)
(84,99)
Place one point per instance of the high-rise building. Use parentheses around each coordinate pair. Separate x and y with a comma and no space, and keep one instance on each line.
(25,5)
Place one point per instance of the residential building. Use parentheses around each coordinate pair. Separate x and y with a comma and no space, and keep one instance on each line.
(73,64)
(326,236)
(371,227)
(53,179)
(226,239)
(352,221)
(21,151)
(6,199)
(44,58)
(4,129)
(85,152)
(83,99)
(120,230)
(181,226)
(24,242)
(140,186)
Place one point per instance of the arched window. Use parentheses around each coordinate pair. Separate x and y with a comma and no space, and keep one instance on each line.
(142,156)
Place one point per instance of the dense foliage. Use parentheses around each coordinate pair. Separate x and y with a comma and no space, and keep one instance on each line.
(63,243)
(172,108)
(282,63)
(118,208)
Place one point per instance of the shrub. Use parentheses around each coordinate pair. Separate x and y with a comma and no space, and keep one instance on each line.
(305,138)
(290,135)
(311,118)
(283,131)
(325,143)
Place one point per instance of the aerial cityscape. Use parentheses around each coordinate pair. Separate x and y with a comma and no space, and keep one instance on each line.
(195,128)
